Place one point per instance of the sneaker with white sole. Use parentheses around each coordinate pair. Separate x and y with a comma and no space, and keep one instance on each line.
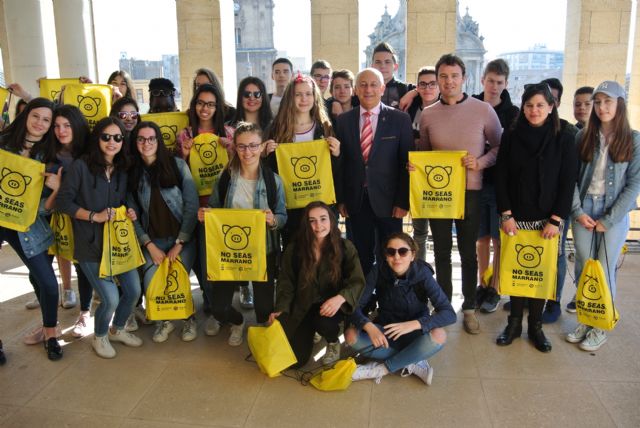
(578,335)
(211,326)
(103,347)
(594,340)
(32,304)
(163,330)
(36,335)
(422,369)
(123,336)
(131,324)
(142,315)
(332,353)
(373,370)
(189,330)
(80,328)
(235,337)
(69,299)
(571,306)
(246,297)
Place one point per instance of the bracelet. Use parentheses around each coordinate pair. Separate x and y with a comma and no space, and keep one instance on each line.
(91,214)
(146,244)
(554,222)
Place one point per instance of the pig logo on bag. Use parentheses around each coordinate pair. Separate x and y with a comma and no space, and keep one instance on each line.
(438,177)
(236,237)
(207,152)
(528,256)
(122,233)
(304,167)
(590,288)
(13,183)
(172,283)
(89,105)
(168,133)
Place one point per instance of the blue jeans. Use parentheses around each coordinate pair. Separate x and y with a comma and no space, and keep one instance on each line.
(110,300)
(41,271)
(614,239)
(188,255)
(407,349)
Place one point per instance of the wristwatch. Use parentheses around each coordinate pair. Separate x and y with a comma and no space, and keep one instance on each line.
(179,241)
(505,217)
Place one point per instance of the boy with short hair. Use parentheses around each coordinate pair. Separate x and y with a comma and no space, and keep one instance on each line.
(281,73)
(321,73)
(385,60)
(582,104)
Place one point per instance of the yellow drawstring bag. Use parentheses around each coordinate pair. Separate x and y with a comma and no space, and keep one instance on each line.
(169,293)
(337,378)
(270,348)
(120,248)
(62,236)
(170,124)
(207,159)
(21,182)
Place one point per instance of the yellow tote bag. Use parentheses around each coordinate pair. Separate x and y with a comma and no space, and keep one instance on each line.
(94,101)
(169,293)
(207,159)
(50,88)
(337,378)
(21,184)
(4,94)
(170,124)
(270,348)
(305,169)
(236,245)
(437,186)
(528,265)
(120,249)
(62,236)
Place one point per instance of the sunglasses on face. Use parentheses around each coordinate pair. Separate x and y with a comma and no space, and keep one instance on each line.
(128,115)
(107,137)
(210,104)
(391,252)
(161,92)
(255,94)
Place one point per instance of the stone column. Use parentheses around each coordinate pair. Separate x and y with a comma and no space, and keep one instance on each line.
(76,42)
(334,33)
(206,39)
(596,41)
(431,33)
(634,85)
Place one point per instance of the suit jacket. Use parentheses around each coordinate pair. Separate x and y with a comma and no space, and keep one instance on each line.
(386,173)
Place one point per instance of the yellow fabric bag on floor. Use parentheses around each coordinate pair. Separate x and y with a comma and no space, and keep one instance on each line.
(305,169)
(528,265)
(236,242)
(270,348)
(170,124)
(94,101)
(120,248)
(169,293)
(207,159)
(21,184)
(337,378)
(62,236)
(50,88)
(437,186)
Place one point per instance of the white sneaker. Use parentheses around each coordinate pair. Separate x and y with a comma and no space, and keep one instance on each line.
(123,336)
(80,328)
(212,326)
(132,324)
(32,304)
(578,335)
(594,340)
(163,330)
(373,370)
(69,299)
(103,347)
(190,330)
(332,353)
(422,369)
(142,315)
(235,338)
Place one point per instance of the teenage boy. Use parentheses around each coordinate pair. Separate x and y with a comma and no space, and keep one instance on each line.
(385,60)
(582,104)
(321,73)
(281,73)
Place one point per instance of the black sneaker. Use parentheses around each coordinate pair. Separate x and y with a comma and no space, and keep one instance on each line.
(481,295)
(491,301)
(571,306)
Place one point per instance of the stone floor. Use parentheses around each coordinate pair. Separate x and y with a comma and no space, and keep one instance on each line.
(208,383)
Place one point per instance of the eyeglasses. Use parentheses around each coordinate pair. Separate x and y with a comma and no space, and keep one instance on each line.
(321,76)
(161,92)
(431,85)
(251,147)
(128,114)
(210,104)
(391,252)
(107,137)
(255,94)
(148,140)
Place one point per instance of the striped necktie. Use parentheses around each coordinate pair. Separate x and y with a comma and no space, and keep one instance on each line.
(366,136)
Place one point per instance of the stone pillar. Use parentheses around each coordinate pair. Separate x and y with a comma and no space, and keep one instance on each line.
(334,33)
(634,86)
(74,34)
(431,33)
(596,41)
(206,39)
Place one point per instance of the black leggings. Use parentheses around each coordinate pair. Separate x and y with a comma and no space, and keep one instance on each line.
(535,308)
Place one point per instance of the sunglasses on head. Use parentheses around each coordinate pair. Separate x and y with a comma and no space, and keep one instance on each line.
(161,92)
(255,94)
(391,252)
(107,137)
(128,114)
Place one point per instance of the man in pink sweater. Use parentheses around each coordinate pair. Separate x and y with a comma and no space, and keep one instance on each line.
(460,122)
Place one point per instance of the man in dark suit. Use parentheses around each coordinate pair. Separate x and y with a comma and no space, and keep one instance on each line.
(375,141)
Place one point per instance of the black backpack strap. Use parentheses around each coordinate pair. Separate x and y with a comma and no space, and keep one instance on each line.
(223,186)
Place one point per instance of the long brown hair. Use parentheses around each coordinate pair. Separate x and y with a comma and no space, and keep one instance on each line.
(331,248)
(621,144)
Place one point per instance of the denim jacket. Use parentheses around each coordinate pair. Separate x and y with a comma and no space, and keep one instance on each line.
(181,200)
(622,184)
(259,202)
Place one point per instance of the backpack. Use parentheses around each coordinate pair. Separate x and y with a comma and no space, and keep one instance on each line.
(269,181)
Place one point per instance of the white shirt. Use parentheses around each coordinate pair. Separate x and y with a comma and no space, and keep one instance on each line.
(596,187)
(375,114)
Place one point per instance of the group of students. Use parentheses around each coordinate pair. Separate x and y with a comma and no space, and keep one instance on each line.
(375,284)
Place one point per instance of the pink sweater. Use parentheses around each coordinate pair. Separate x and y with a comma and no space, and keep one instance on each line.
(464,126)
